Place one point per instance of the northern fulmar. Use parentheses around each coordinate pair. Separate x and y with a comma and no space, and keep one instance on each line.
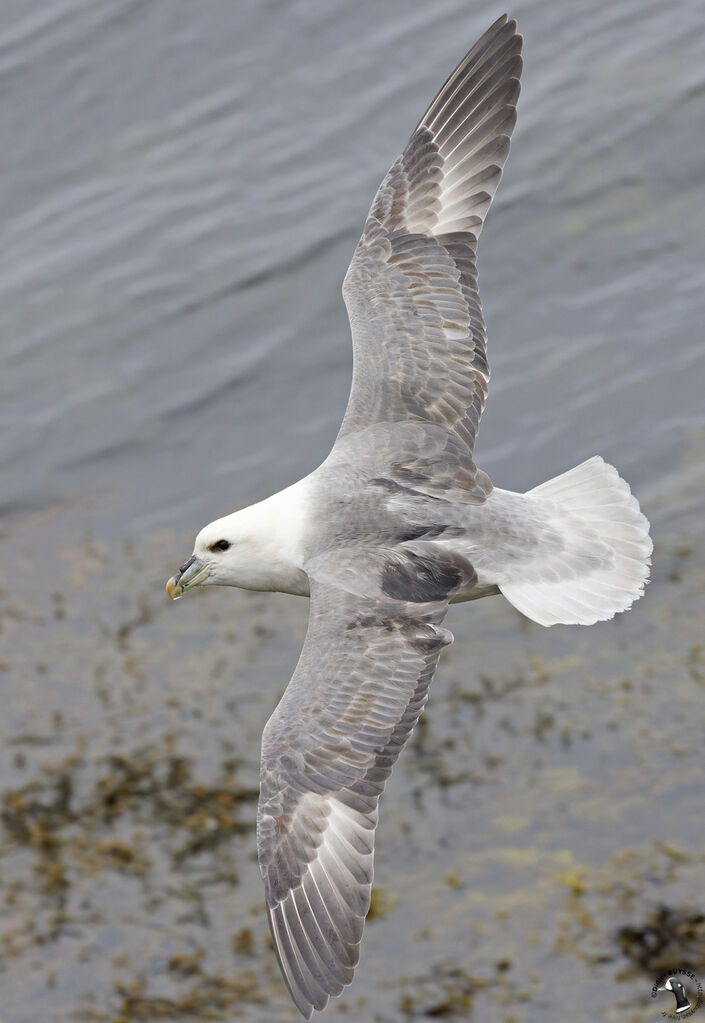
(399,522)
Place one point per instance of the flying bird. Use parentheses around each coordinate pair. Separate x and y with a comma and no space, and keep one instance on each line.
(399,522)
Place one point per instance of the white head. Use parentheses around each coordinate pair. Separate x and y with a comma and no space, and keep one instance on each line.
(223,555)
(255,548)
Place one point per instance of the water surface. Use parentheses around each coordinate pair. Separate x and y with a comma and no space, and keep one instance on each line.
(182,187)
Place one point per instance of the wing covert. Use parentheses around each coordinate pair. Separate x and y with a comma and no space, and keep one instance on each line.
(419,339)
(328,749)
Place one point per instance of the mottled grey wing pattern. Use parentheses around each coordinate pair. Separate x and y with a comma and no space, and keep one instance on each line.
(370,652)
(374,637)
(419,340)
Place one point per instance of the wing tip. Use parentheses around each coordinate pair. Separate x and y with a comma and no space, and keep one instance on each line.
(302,1002)
(296,963)
(504,25)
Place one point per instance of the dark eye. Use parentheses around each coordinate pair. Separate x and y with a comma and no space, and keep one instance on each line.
(221,545)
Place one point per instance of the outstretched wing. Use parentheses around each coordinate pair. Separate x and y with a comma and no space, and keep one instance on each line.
(329,747)
(419,341)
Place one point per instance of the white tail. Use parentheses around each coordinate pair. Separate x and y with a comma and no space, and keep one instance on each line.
(604,564)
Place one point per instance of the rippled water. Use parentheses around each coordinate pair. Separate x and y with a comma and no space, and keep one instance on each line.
(182,191)
(182,186)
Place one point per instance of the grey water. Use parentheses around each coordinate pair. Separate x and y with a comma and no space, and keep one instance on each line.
(181,189)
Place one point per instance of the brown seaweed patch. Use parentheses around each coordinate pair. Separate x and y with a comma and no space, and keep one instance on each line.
(244,942)
(208,999)
(446,993)
(609,913)
(664,936)
(381,904)
(78,818)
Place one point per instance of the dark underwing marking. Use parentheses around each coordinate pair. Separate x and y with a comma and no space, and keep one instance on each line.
(416,532)
(283,822)
(394,487)
(381,621)
(397,488)
(429,639)
(420,580)
(363,621)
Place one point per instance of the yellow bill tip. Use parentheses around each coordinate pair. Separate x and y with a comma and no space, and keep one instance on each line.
(173,588)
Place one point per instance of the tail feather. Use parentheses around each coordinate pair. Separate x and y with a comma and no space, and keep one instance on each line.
(603,564)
